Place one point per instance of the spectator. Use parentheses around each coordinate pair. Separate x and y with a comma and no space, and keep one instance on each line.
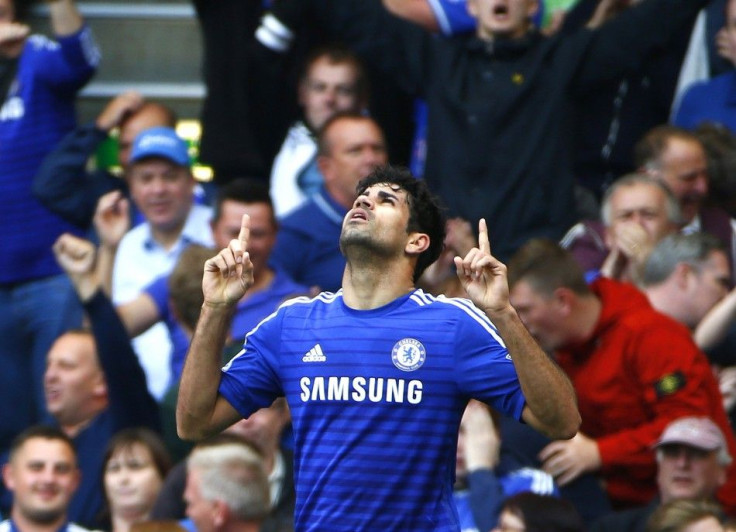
(634,371)
(262,430)
(350,147)
(42,475)
(538,513)
(333,81)
(636,213)
(687,278)
(336,372)
(606,121)
(93,381)
(63,183)
(135,465)
(687,516)
(162,186)
(38,85)
(686,275)
(677,158)
(227,489)
(692,459)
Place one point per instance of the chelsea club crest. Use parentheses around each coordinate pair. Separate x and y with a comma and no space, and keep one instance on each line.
(408,354)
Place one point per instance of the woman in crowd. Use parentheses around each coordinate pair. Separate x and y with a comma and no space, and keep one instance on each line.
(136,463)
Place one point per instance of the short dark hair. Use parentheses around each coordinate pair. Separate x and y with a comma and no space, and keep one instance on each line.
(243,190)
(546,266)
(337,54)
(126,438)
(653,144)
(425,211)
(544,513)
(44,432)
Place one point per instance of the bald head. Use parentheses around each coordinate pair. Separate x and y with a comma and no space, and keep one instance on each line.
(148,115)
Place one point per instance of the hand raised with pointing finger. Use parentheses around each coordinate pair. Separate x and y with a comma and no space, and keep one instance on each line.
(483,276)
(229,274)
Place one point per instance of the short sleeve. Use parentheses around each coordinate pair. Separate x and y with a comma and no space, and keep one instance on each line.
(250,381)
(484,369)
(159,292)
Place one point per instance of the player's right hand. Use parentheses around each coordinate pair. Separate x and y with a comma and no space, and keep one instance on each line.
(229,274)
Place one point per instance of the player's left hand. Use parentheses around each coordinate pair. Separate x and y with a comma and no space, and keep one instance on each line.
(483,276)
(566,460)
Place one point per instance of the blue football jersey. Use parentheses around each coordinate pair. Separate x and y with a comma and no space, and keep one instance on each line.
(376,398)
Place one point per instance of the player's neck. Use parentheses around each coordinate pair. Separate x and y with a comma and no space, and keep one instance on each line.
(368,287)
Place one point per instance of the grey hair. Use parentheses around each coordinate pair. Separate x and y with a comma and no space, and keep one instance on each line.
(234,474)
(693,249)
(672,206)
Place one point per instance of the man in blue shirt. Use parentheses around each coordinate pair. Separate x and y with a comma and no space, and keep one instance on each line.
(39,81)
(376,375)
(350,146)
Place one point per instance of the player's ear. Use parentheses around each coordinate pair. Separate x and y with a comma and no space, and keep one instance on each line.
(417,243)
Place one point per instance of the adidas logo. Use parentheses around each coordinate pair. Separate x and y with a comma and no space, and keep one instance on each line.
(315,355)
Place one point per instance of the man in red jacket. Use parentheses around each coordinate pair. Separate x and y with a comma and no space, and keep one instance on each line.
(634,371)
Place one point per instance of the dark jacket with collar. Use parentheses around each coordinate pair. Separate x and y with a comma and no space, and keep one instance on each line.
(499,141)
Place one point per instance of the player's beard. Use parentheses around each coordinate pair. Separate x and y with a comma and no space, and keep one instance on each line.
(359,247)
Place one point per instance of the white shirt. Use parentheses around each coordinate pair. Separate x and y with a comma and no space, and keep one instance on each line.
(297,151)
(139,261)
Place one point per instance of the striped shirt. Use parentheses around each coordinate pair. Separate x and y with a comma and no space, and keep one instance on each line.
(376,398)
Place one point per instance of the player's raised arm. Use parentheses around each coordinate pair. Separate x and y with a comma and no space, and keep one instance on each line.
(551,404)
(200,410)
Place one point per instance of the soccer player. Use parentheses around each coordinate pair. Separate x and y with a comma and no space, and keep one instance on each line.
(376,375)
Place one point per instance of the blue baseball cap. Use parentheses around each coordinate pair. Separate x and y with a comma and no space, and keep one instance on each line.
(160,142)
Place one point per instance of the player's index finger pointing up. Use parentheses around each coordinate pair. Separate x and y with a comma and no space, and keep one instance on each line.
(483,243)
(244,232)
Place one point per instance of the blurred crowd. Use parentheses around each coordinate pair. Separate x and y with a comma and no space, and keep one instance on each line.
(595,137)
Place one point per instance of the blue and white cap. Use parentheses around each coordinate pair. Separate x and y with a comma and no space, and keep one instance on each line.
(160,142)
